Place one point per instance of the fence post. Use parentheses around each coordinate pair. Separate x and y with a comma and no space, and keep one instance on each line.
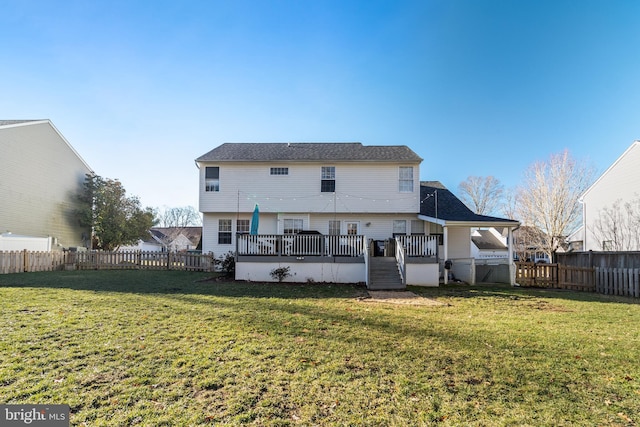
(25,261)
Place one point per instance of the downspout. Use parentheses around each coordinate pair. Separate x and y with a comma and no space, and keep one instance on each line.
(445,236)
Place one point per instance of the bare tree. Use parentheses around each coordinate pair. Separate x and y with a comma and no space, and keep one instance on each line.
(549,197)
(179,217)
(617,227)
(483,195)
(509,206)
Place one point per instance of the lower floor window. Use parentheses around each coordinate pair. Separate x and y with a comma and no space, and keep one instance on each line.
(334,227)
(224,231)
(292,226)
(243,226)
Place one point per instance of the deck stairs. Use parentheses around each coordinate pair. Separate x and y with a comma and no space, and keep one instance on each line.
(384,274)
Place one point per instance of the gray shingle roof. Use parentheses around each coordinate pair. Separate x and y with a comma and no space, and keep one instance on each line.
(487,240)
(449,207)
(305,151)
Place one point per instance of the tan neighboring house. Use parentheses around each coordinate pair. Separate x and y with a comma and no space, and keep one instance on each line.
(40,174)
(620,182)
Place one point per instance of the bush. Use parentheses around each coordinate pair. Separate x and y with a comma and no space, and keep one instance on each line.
(227,264)
(280,273)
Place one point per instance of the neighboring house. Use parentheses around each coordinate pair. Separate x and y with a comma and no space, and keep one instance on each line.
(619,183)
(528,244)
(343,199)
(40,175)
(169,239)
(147,245)
(488,244)
(177,239)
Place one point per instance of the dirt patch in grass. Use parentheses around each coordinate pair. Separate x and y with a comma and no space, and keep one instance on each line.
(399,297)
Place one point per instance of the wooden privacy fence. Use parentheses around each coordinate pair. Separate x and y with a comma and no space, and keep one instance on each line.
(25,261)
(608,281)
(618,281)
(555,276)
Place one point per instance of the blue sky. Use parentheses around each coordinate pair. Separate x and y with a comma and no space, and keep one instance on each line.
(475,87)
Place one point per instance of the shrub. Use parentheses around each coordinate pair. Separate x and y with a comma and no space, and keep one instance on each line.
(280,273)
(227,264)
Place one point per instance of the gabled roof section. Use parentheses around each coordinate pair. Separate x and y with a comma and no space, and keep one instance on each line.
(636,144)
(485,239)
(309,152)
(440,205)
(17,122)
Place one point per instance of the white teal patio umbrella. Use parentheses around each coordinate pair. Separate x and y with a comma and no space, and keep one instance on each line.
(255,219)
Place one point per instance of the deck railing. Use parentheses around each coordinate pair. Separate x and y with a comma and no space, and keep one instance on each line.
(419,245)
(300,245)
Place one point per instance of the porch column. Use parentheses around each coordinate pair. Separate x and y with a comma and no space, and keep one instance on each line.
(511,264)
(445,238)
(510,245)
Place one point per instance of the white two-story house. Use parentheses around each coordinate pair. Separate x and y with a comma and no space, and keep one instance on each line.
(331,188)
(329,212)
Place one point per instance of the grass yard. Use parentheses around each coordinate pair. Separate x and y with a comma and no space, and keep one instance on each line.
(167,349)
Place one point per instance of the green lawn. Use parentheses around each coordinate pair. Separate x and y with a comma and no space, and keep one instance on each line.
(166,348)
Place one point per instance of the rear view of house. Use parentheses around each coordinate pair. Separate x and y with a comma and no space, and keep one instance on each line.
(331,188)
(40,176)
(335,212)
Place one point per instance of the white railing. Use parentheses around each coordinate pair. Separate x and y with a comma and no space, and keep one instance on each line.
(422,246)
(400,261)
(300,245)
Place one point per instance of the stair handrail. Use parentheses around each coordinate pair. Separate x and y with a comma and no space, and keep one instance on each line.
(400,260)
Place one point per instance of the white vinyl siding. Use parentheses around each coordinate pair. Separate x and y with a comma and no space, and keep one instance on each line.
(620,181)
(247,184)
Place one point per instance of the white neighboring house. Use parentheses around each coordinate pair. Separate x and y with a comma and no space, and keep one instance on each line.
(621,181)
(40,174)
(168,239)
(488,244)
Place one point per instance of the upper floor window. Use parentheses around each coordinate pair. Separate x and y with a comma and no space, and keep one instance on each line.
(212,178)
(279,171)
(405,184)
(328,184)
